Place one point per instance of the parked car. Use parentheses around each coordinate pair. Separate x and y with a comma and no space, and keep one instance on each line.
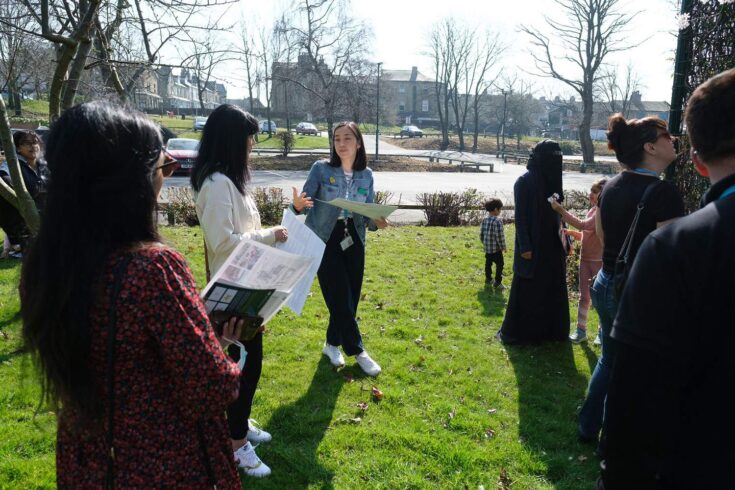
(199,123)
(411,132)
(306,128)
(264,127)
(185,150)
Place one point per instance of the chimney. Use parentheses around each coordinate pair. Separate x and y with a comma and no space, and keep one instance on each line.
(414,73)
(635,97)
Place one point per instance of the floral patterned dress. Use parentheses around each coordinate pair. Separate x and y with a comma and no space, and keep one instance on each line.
(172,385)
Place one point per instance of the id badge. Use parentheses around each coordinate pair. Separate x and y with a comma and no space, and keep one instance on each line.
(346,243)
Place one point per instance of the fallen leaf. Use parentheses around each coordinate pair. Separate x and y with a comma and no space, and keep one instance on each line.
(356,420)
(582,458)
(419,340)
(377,394)
(489,433)
(452,414)
(504,482)
(492,410)
(379,306)
(362,406)
(348,377)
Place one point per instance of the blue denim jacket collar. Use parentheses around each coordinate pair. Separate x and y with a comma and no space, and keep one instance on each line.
(325,183)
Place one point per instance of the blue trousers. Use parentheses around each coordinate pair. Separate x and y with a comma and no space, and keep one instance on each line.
(593,409)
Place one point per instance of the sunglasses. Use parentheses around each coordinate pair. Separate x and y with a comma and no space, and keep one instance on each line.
(169,165)
(666,135)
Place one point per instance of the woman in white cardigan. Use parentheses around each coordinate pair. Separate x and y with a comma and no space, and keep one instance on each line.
(228,214)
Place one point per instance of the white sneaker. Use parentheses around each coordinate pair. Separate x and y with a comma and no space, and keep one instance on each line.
(256,435)
(367,364)
(246,459)
(334,355)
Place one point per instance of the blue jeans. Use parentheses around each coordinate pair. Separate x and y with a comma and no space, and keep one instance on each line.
(593,409)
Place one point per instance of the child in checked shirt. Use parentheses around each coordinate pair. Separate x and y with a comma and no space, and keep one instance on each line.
(493,242)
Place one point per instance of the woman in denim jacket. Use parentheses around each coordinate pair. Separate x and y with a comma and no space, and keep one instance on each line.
(340,274)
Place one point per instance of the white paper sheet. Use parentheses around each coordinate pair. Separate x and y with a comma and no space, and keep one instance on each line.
(301,241)
(370,210)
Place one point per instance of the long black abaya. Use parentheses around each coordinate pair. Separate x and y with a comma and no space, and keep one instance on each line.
(538,306)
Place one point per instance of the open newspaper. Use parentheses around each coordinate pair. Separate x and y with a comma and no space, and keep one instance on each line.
(256,280)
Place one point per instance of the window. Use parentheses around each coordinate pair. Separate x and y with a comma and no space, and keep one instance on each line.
(402,88)
(425,105)
(402,105)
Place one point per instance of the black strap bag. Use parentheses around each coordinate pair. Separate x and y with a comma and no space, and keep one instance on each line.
(624,262)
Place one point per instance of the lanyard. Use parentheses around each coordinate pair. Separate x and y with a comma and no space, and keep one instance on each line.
(728,192)
(645,171)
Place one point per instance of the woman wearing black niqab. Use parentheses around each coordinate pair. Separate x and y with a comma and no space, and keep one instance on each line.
(538,306)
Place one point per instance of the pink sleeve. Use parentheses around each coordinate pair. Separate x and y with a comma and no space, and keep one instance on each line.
(587,224)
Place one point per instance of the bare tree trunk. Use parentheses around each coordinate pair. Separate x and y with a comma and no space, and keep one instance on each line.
(585,140)
(75,73)
(18,196)
(57,82)
(476,122)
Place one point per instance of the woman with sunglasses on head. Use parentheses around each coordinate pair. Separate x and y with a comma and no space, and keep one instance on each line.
(114,320)
(344,175)
(228,214)
(644,148)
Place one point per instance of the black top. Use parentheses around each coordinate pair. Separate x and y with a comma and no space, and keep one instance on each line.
(618,203)
(36,181)
(667,409)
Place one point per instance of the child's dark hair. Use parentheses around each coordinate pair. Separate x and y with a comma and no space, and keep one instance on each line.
(493,204)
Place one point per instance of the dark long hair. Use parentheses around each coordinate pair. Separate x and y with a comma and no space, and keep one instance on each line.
(224,147)
(361,157)
(101,200)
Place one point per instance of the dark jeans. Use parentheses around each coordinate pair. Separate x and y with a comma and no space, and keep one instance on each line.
(340,277)
(238,412)
(497,259)
(593,409)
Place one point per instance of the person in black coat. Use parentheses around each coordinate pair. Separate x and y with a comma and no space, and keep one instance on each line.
(35,176)
(668,419)
(538,307)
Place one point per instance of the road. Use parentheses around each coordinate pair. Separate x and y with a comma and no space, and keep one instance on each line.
(406,185)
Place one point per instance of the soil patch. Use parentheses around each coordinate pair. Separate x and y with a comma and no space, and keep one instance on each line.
(388,164)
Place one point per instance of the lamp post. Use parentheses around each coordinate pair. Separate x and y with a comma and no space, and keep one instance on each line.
(505,112)
(377,115)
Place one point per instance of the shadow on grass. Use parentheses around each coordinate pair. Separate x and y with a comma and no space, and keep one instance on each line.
(6,264)
(549,391)
(590,354)
(493,301)
(298,429)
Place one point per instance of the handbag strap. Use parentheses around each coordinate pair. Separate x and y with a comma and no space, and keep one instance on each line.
(625,250)
(111,333)
(206,259)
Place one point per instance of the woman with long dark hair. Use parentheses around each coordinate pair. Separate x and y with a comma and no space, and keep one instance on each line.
(341,271)
(114,320)
(228,214)
(644,147)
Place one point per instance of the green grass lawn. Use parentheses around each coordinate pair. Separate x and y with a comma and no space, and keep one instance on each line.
(459,408)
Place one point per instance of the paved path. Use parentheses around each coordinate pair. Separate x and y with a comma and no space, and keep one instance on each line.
(406,185)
